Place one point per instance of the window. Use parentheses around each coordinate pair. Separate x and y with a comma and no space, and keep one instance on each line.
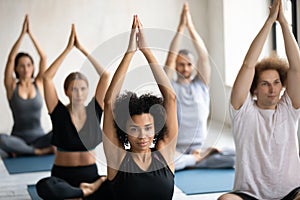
(238,38)
(289,7)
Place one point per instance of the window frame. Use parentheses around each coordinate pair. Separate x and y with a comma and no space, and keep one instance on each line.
(293,25)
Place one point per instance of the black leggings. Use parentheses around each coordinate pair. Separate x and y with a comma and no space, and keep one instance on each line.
(56,188)
(64,183)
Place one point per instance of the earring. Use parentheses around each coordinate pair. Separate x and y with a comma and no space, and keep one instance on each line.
(126,142)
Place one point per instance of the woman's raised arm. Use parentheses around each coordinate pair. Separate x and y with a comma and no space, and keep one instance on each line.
(43,57)
(51,97)
(113,148)
(168,94)
(103,74)
(9,80)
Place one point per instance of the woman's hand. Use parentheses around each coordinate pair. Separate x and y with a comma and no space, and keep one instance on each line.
(132,47)
(142,45)
(71,42)
(76,42)
(25,28)
(28,27)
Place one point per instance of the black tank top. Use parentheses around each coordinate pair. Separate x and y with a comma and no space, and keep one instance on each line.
(65,135)
(131,182)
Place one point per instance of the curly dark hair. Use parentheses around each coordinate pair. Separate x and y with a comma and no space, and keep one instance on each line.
(129,104)
(270,63)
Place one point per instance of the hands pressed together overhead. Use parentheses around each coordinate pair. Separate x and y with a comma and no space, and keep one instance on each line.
(137,38)
(25,28)
(277,12)
(185,19)
(73,39)
(74,42)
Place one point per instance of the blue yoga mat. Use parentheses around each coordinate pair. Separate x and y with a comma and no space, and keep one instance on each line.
(32,192)
(199,181)
(29,164)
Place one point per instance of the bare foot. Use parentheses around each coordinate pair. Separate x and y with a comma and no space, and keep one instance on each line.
(90,188)
(44,151)
(14,155)
(202,154)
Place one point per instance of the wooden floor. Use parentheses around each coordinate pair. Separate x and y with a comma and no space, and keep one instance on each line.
(14,187)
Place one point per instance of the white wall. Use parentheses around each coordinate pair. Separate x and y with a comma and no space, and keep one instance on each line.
(227,27)
(232,28)
(216,51)
(240,32)
(102,27)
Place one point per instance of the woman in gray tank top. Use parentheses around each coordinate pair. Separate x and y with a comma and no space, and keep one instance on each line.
(25,97)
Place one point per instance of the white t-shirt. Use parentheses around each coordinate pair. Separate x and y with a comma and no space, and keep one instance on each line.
(267,151)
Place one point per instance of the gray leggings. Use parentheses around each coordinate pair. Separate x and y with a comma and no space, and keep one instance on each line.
(13,144)
(224,159)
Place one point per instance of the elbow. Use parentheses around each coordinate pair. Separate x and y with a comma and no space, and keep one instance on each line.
(108,105)
(43,57)
(108,101)
(105,75)
(172,97)
(46,76)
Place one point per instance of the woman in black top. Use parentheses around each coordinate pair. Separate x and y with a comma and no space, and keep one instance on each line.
(76,131)
(141,172)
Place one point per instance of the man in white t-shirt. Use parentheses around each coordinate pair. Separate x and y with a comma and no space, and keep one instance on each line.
(265,122)
(193,101)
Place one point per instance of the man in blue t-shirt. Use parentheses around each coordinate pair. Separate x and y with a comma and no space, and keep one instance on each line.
(193,101)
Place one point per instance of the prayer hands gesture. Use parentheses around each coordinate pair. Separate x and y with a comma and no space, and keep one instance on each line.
(137,38)
(185,19)
(274,10)
(25,28)
(71,42)
(74,41)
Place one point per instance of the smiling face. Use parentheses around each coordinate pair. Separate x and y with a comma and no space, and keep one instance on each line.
(140,130)
(77,91)
(268,89)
